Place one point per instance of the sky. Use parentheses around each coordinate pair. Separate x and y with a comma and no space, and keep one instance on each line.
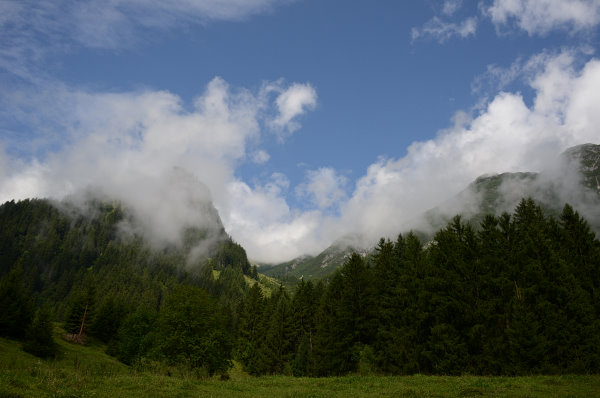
(302,121)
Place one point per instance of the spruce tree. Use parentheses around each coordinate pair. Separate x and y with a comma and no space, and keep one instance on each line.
(249,336)
(191,331)
(38,338)
(16,306)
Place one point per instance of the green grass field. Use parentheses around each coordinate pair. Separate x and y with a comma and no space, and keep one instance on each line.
(88,372)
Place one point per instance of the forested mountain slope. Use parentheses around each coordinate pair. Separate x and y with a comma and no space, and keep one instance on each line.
(102,282)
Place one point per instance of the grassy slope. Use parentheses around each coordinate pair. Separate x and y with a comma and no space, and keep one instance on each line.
(311,268)
(267,284)
(88,372)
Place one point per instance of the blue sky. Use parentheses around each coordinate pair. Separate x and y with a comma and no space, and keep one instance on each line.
(307,120)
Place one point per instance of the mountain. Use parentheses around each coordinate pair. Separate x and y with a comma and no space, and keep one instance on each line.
(573,179)
(314,267)
(92,258)
(587,159)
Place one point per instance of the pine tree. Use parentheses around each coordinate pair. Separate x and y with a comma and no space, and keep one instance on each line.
(331,345)
(38,339)
(17,308)
(191,331)
(249,336)
(278,348)
(386,283)
(304,305)
(137,336)
(81,312)
(411,328)
(107,319)
(345,319)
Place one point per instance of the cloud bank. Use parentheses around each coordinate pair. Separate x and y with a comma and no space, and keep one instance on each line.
(542,16)
(165,158)
(132,144)
(147,148)
(507,135)
(536,17)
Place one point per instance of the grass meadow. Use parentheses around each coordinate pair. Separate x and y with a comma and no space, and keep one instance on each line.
(86,371)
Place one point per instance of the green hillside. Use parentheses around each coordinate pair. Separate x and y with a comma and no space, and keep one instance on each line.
(312,268)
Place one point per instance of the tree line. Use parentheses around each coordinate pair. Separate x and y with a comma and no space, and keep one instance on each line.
(515,294)
(518,295)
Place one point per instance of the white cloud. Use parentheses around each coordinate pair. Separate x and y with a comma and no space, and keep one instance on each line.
(506,136)
(499,78)
(280,180)
(291,103)
(442,31)
(148,150)
(152,151)
(260,157)
(32,30)
(114,24)
(451,6)
(325,188)
(543,16)
(129,145)
(264,224)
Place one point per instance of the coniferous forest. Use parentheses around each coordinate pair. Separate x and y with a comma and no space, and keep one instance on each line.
(515,294)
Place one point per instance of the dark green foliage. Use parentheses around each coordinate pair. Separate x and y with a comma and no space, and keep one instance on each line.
(254,272)
(329,345)
(136,336)
(345,319)
(78,320)
(15,304)
(38,338)
(107,319)
(516,294)
(107,285)
(277,350)
(230,254)
(250,334)
(190,331)
(304,305)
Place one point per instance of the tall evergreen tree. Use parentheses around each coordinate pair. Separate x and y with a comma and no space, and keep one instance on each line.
(387,273)
(278,348)
(304,306)
(16,305)
(38,338)
(250,335)
(191,331)
(137,336)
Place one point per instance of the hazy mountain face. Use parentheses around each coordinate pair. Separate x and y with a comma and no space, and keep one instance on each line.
(176,211)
